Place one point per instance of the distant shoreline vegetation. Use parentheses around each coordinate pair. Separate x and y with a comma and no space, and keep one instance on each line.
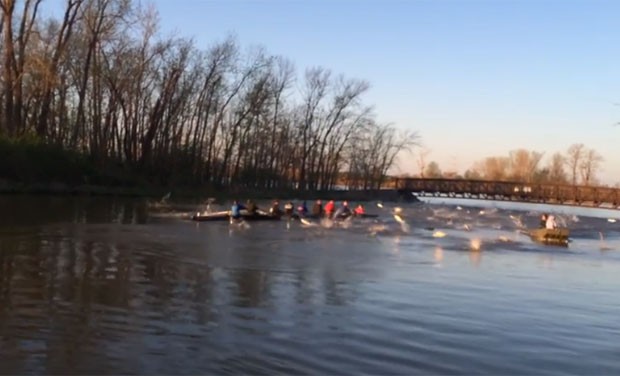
(28,165)
(579,165)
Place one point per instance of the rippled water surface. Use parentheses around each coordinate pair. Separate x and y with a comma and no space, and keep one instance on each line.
(110,286)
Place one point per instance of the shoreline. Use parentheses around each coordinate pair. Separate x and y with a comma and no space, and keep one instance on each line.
(154,192)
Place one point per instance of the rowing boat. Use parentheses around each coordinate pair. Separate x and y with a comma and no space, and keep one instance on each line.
(340,216)
(263,216)
(225,216)
(556,236)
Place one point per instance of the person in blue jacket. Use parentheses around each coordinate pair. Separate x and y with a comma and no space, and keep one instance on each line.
(235,210)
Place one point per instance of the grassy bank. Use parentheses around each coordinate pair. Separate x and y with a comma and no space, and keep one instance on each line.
(28,165)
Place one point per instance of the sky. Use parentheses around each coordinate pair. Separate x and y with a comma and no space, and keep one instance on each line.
(473,78)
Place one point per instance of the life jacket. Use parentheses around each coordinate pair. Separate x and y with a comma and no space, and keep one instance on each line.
(359,210)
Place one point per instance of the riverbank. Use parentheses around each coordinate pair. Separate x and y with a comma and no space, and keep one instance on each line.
(200,194)
(31,166)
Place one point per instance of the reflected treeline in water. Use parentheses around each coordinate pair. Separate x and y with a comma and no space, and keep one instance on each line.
(66,299)
(91,284)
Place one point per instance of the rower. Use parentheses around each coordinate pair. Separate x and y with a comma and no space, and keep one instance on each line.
(329,208)
(251,207)
(235,210)
(359,210)
(543,220)
(317,209)
(275,208)
(344,211)
(302,209)
(288,208)
(551,224)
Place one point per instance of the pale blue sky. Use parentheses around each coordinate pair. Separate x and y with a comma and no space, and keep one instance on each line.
(474,78)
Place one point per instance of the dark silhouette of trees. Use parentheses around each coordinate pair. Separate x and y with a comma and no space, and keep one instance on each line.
(104,83)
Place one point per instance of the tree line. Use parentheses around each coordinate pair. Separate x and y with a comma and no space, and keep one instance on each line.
(578,165)
(103,81)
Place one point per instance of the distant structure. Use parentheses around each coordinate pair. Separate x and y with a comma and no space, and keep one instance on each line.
(559,194)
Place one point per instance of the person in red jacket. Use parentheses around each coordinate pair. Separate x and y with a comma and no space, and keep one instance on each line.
(329,208)
(359,210)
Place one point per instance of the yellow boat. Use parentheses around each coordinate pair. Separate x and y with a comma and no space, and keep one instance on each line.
(556,236)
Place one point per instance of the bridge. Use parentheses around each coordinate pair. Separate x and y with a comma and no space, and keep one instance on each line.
(556,194)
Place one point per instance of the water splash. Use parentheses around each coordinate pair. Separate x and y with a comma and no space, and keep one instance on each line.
(403,225)
(327,223)
(604,246)
(475,244)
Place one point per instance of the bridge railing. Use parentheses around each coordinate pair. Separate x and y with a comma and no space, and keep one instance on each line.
(552,193)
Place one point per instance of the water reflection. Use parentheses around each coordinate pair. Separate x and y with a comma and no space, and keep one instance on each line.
(98,287)
(438,255)
(475,257)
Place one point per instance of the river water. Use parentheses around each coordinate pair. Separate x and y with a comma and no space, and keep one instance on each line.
(109,286)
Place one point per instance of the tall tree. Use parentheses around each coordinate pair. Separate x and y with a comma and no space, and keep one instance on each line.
(589,166)
(574,156)
(523,164)
(421,160)
(557,174)
(432,170)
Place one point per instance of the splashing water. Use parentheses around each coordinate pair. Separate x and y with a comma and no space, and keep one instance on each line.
(517,221)
(327,223)
(475,244)
(603,246)
(403,225)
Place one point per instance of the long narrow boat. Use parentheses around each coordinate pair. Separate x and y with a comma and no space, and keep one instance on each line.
(340,217)
(225,216)
(263,216)
(556,236)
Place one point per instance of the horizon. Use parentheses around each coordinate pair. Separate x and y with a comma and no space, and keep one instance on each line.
(474,79)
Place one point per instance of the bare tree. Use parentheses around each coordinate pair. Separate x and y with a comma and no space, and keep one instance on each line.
(15,56)
(62,41)
(494,168)
(421,161)
(590,163)
(433,171)
(557,174)
(574,155)
(523,164)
